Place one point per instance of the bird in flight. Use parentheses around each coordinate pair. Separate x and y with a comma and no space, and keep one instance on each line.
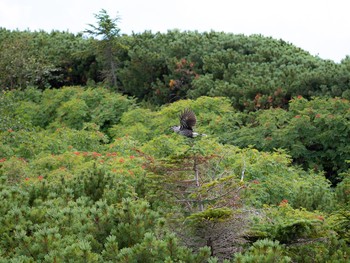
(187,122)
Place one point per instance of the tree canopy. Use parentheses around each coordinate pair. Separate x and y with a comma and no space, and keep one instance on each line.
(90,170)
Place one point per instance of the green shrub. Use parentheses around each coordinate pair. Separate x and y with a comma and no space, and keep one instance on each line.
(264,250)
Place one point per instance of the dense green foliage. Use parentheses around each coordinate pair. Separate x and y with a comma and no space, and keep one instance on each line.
(45,59)
(90,170)
(89,176)
(255,72)
(316,133)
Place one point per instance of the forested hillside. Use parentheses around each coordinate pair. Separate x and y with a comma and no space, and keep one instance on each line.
(91,172)
(255,72)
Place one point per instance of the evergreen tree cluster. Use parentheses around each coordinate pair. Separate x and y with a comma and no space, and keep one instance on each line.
(88,175)
(90,170)
(255,72)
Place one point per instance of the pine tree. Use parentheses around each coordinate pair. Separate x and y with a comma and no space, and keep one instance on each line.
(109,46)
(207,196)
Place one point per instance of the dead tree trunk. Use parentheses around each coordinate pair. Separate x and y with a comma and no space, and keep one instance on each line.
(196,178)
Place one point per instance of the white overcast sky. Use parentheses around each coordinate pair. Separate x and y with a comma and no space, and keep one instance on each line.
(321,27)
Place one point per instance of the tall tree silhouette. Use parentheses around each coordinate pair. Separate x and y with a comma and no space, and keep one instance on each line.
(107,48)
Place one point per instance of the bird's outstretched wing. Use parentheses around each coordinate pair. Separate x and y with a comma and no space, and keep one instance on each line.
(187,120)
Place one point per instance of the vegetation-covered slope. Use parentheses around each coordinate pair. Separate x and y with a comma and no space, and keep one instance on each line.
(89,176)
(90,170)
(255,72)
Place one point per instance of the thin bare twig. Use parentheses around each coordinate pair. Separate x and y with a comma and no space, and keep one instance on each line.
(243,170)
